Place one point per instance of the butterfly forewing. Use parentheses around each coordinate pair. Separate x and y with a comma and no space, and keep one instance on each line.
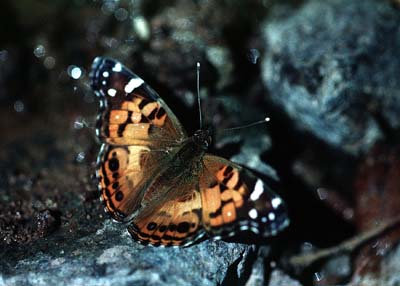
(140,135)
(131,113)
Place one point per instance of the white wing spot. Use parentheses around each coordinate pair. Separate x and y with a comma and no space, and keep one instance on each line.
(264,219)
(104,82)
(132,84)
(253,213)
(276,202)
(106,74)
(112,92)
(258,190)
(117,67)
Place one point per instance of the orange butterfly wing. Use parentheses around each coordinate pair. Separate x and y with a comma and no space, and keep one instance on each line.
(140,133)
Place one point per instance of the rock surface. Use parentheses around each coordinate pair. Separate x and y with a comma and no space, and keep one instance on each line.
(110,257)
(333,67)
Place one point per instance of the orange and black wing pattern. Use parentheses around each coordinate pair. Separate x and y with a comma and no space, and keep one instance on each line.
(139,134)
(176,223)
(234,200)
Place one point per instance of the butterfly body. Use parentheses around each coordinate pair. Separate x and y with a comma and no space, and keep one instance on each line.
(164,183)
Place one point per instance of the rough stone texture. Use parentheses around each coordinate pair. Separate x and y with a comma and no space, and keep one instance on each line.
(110,257)
(279,278)
(333,66)
(257,276)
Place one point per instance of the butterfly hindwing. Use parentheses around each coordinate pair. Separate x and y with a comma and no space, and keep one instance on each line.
(175,223)
(140,133)
(234,200)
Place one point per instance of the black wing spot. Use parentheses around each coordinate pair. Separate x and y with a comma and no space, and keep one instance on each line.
(152,114)
(183,227)
(160,113)
(172,227)
(121,129)
(119,196)
(113,164)
(226,180)
(151,226)
(228,170)
(143,103)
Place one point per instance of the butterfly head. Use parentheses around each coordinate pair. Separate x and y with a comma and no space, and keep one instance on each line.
(202,138)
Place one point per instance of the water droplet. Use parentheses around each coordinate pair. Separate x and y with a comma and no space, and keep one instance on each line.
(189,98)
(74,71)
(49,62)
(121,14)
(141,27)
(39,51)
(322,193)
(80,123)
(19,106)
(80,157)
(253,55)
(317,276)
(348,213)
(307,247)
(109,6)
(111,42)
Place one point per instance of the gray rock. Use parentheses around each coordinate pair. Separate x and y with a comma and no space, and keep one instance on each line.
(333,66)
(110,257)
(279,278)
(257,274)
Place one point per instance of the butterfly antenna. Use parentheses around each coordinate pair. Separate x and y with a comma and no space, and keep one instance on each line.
(198,95)
(266,119)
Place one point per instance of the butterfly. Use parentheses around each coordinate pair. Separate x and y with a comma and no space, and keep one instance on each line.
(160,181)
